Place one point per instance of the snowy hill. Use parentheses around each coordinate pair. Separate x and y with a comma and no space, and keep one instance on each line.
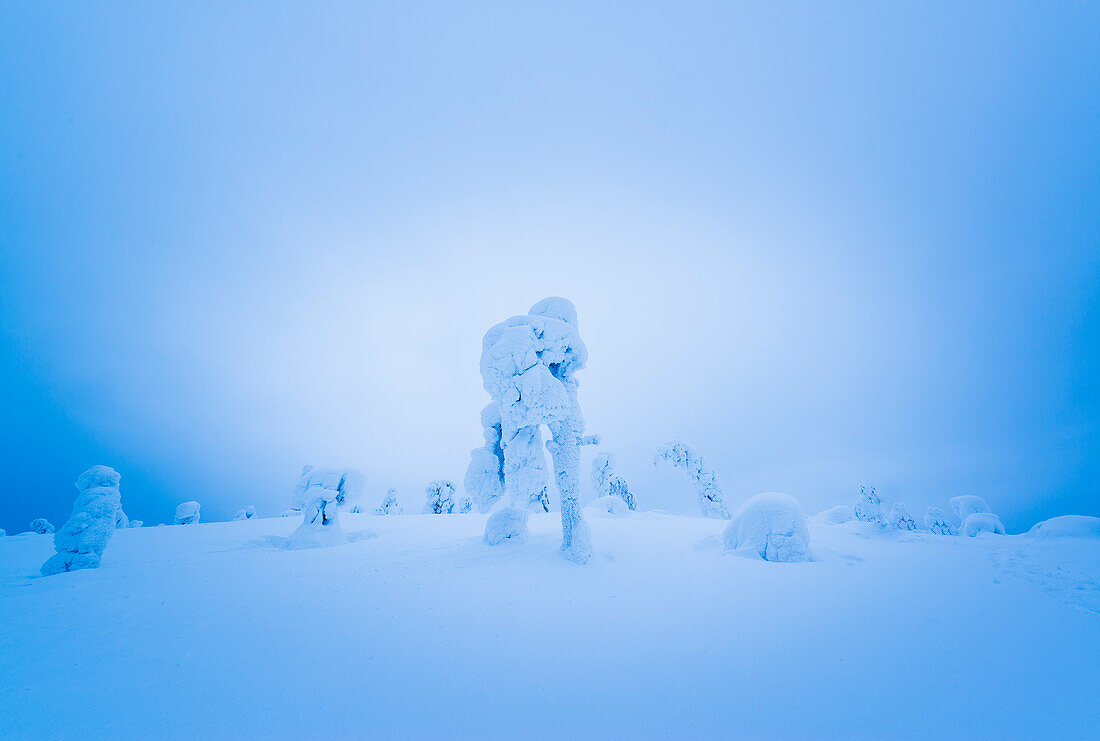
(415,629)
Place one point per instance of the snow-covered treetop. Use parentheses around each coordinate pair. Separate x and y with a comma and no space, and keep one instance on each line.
(708,487)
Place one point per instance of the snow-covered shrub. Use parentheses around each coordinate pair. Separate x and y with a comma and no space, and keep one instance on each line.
(121,520)
(1067,526)
(528,366)
(320,524)
(136,523)
(983,522)
(348,485)
(900,517)
(608,483)
(439,497)
(389,504)
(771,526)
(80,541)
(609,506)
(936,520)
(967,505)
(464,504)
(837,515)
(868,508)
(245,514)
(708,487)
(290,513)
(187,513)
(41,526)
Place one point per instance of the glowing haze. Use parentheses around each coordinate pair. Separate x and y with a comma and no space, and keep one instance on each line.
(845,245)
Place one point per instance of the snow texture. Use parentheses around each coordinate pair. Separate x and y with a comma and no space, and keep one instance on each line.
(967,505)
(320,523)
(528,366)
(41,526)
(712,500)
(868,508)
(983,522)
(187,513)
(348,485)
(439,497)
(245,514)
(837,515)
(1067,526)
(900,517)
(771,526)
(389,504)
(937,522)
(80,541)
(607,482)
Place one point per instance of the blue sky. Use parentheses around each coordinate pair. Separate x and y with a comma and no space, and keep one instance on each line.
(827,244)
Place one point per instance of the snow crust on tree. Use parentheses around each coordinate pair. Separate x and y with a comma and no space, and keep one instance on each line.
(187,513)
(937,521)
(900,517)
(80,541)
(708,487)
(121,520)
(42,526)
(347,483)
(389,504)
(320,522)
(484,481)
(528,366)
(983,522)
(245,514)
(607,483)
(967,505)
(771,526)
(868,507)
(439,497)
(837,515)
(1067,526)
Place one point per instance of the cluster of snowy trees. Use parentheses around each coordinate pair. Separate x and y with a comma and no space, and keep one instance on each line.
(972,511)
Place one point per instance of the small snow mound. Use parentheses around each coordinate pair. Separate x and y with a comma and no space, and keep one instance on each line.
(187,513)
(1067,526)
(967,505)
(609,506)
(983,522)
(245,514)
(771,526)
(136,523)
(509,522)
(935,519)
(837,515)
(290,513)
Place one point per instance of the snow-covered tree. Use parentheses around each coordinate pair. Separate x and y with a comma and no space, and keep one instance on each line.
(936,520)
(389,504)
(868,507)
(41,526)
(608,483)
(439,497)
(837,515)
(983,522)
(80,541)
(528,366)
(464,504)
(900,517)
(187,513)
(347,483)
(320,522)
(121,520)
(3,532)
(136,523)
(708,487)
(967,505)
(245,514)
(770,526)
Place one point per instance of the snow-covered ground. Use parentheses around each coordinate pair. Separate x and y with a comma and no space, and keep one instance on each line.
(416,629)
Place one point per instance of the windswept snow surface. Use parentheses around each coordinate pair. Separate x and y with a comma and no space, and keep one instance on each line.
(212,631)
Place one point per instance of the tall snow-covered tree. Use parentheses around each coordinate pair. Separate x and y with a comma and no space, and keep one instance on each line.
(320,520)
(80,541)
(528,366)
(389,504)
(868,507)
(704,479)
(607,483)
